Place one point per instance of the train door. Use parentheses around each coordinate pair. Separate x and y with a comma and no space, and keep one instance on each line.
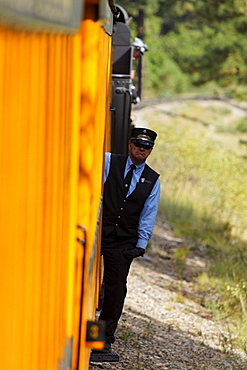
(121,84)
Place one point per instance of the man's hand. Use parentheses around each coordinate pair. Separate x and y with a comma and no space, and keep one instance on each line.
(133,253)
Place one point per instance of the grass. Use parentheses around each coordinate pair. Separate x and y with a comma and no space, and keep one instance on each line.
(204,198)
(180,257)
(242,125)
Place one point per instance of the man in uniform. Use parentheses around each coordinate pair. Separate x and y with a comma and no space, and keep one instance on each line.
(130,203)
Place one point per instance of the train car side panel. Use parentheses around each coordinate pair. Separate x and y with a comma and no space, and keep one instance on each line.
(39,172)
(54,112)
(96,87)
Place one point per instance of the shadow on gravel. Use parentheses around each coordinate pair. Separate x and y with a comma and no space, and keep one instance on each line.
(162,260)
(144,343)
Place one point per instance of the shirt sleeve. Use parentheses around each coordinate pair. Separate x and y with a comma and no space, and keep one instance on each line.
(148,216)
(107,165)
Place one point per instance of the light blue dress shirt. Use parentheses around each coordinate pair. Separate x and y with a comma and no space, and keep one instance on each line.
(148,214)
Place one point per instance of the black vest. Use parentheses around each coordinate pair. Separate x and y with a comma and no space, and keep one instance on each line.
(120,213)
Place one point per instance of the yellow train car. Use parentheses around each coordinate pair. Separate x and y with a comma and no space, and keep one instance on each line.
(55,88)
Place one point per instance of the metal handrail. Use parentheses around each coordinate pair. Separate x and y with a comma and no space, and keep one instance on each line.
(114,10)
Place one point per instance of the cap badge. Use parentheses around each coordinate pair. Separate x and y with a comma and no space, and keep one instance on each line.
(146,137)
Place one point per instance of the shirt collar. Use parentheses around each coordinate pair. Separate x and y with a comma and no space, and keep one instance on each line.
(138,166)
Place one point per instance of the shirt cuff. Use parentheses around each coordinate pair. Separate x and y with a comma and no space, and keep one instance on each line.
(141,243)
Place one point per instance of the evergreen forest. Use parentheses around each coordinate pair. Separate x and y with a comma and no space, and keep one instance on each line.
(196,45)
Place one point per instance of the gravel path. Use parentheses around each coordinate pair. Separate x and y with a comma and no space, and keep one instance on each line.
(163,326)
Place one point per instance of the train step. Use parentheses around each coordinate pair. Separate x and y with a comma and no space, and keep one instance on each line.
(104,357)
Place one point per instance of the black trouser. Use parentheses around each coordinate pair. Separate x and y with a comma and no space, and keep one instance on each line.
(116,269)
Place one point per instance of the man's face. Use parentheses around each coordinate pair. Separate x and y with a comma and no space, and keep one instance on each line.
(136,53)
(138,154)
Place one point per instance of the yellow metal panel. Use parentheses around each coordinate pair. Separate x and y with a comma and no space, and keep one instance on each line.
(72,151)
(95,89)
(13,227)
(39,175)
(51,88)
(35,206)
(87,215)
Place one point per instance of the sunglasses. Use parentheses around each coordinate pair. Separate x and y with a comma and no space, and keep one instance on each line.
(144,146)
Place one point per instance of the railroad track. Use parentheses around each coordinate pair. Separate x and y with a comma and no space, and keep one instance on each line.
(148,103)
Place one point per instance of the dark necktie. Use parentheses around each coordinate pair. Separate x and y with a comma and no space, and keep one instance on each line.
(127,179)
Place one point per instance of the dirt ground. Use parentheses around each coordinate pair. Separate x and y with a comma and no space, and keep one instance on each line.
(164,324)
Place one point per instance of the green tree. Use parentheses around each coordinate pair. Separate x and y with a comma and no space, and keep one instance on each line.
(192,42)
